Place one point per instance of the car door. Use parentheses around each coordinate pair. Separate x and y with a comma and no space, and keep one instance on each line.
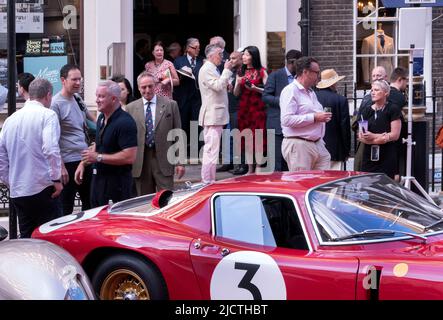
(252,253)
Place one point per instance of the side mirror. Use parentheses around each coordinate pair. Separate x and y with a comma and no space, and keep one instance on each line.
(3,233)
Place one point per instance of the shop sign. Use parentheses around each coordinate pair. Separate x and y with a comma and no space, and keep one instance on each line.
(409,3)
(29,16)
(47,67)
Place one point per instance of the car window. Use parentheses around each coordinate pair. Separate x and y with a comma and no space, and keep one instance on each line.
(262,220)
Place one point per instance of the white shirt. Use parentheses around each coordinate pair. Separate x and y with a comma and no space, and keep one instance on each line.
(153,107)
(3,95)
(29,151)
(298,107)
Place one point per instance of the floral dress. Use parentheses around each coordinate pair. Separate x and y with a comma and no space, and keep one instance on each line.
(161,72)
(251,108)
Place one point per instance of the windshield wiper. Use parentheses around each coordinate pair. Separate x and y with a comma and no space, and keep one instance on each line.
(378,233)
(433,225)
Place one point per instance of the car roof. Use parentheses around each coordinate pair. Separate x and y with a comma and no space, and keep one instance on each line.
(288,182)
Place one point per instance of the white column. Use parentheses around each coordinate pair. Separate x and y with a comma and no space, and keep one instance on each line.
(293,33)
(253,25)
(106,21)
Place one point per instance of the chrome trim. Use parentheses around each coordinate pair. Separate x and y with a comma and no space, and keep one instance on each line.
(346,243)
(287,196)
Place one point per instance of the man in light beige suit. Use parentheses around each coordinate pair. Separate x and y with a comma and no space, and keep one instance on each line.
(214,112)
(155,116)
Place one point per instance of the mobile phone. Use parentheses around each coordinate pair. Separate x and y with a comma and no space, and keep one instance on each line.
(248,83)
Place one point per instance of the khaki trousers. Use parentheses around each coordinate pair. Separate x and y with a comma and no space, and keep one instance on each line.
(305,155)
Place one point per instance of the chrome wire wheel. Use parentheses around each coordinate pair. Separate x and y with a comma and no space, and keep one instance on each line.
(124,284)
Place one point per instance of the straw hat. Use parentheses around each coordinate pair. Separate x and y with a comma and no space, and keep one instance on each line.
(328,78)
(186,71)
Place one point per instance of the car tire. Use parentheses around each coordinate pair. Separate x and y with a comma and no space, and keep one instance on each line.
(128,277)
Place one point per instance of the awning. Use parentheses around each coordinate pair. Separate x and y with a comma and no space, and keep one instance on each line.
(410,3)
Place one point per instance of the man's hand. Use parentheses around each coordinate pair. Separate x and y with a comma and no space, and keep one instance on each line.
(58,186)
(78,176)
(228,64)
(89,156)
(322,116)
(65,175)
(180,171)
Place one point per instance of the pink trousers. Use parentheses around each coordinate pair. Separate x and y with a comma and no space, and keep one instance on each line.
(212,135)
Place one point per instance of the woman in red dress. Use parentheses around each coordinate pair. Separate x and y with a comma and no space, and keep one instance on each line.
(251,109)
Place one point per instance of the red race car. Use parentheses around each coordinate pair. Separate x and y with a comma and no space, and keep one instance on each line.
(307,235)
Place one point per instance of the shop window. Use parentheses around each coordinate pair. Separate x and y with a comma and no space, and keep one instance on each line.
(376,40)
(48,36)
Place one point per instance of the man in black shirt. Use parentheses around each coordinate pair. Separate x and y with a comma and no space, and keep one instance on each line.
(115,149)
(399,82)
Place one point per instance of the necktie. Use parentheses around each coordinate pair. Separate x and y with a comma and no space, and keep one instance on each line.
(149,141)
(290,79)
(382,40)
(192,63)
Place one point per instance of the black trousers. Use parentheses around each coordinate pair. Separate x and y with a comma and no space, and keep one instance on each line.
(111,187)
(33,211)
(69,190)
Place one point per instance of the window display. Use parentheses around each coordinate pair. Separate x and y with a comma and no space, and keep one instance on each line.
(376,40)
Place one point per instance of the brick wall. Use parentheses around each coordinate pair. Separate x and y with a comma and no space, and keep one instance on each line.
(331,37)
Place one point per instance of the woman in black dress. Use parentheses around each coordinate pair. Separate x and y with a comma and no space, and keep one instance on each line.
(384,126)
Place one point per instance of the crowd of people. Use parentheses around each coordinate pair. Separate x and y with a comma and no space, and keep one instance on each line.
(47,153)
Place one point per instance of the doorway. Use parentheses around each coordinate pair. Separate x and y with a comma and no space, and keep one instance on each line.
(177,20)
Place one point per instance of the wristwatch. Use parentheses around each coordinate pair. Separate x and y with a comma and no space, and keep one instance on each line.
(56,181)
(99,157)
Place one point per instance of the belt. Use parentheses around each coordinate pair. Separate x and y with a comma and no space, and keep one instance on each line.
(300,138)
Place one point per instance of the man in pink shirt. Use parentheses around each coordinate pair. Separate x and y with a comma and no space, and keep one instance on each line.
(303,120)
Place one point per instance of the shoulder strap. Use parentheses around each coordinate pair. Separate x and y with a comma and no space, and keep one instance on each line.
(80,102)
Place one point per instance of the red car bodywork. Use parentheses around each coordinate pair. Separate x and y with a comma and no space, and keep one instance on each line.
(179,242)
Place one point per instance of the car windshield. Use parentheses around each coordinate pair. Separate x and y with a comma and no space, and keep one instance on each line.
(365,204)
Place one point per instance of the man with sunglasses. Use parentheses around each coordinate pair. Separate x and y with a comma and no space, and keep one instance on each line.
(277,80)
(187,93)
(303,120)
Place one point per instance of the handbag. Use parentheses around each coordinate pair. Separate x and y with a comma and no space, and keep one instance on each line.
(89,127)
(439,138)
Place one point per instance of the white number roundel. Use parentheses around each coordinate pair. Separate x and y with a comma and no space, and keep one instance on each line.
(247,275)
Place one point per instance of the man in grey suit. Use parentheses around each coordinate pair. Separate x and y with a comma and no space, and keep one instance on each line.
(155,116)
(277,80)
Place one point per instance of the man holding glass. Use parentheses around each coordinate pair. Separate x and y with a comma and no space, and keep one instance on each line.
(303,120)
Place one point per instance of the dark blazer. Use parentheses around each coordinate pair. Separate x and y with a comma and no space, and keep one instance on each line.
(275,84)
(187,92)
(338,130)
(167,117)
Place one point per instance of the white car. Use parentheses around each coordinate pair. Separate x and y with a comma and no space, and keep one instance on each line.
(33,269)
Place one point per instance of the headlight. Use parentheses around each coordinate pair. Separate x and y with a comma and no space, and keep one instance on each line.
(75,290)
(72,282)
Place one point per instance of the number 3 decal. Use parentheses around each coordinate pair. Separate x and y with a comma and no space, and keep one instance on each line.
(245,283)
(262,280)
